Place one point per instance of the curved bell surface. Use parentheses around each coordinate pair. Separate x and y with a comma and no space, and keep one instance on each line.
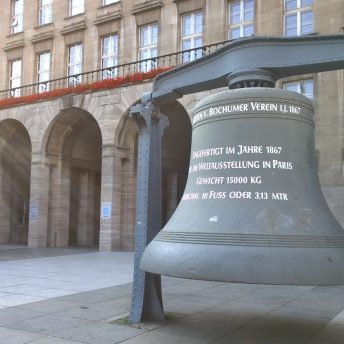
(252,210)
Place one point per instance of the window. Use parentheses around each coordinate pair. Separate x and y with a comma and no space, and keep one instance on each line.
(43,71)
(74,63)
(298,17)
(109,55)
(192,35)
(45,12)
(76,7)
(304,87)
(148,38)
(15,77)
(108,2)
(17,16)
(240,19)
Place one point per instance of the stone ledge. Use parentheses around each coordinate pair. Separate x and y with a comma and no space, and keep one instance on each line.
(19,43)
(43,36)
(146,6)
(108,17)
(73,27)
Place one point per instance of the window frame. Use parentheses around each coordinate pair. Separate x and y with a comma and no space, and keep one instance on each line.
(298,12)
(150,64)
(114,54)
(300,84)
(104,2)
(72,8)
(43,85)
(242,24)
(15,89)
(192,37)
(19,16)
(74,80)
(44,9)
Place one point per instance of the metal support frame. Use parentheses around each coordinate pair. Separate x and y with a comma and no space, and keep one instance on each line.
(146,302)
(248,62)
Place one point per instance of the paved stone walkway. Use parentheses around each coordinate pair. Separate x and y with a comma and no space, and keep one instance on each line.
(80,295)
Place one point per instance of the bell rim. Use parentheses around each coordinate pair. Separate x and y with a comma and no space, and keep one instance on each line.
(246,264)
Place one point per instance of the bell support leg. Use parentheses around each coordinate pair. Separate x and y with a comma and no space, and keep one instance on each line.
(146,303)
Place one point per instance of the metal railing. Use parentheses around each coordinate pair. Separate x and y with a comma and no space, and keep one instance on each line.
(119,71)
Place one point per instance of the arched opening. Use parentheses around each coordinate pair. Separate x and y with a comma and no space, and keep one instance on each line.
(74,154)
(15,168)
(176,143)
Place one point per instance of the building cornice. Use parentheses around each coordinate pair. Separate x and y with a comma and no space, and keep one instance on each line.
(108,17)
(147,5)
(19,43)
(73,27)
(42,36)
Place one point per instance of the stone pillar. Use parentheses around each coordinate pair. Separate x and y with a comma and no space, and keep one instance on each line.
(39,202)
(110,200)
(85,228)
(128,202)
(59,203)
(5,206)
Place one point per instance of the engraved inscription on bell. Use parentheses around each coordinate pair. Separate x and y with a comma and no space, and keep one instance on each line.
(252,210)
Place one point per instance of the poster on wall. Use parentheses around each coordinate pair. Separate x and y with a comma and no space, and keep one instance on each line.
(105,212)
(33,212)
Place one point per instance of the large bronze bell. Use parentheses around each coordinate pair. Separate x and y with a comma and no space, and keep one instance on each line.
(252,210)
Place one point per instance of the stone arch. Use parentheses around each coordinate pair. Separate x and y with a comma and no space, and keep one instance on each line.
(176,144)
(15,168)
(73,145)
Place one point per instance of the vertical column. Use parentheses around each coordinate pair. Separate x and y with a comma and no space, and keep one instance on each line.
(110,200)
(85,228)
(39,202)
(146,304)
(128,191)
(59,203)
(5,206)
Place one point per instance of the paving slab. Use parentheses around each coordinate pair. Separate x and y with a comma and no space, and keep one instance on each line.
(12,336)
(99,311)
(50,306)
(40,274)
(236,313)
(51,324)
(19,252)
(15,314)
(99,295)
(101,333)
(154,337)
(14,299)
(329,335)
(197,329)
(54,340)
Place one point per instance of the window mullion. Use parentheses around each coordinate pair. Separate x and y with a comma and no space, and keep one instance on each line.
(298,22)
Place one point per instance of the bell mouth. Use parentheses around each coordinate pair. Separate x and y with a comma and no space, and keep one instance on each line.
(279,260)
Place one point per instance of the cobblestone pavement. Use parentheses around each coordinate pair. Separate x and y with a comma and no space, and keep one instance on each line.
(75,296)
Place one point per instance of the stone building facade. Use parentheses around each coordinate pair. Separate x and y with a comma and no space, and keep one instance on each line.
(68,164)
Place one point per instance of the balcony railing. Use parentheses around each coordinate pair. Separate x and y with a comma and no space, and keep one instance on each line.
(120,71)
